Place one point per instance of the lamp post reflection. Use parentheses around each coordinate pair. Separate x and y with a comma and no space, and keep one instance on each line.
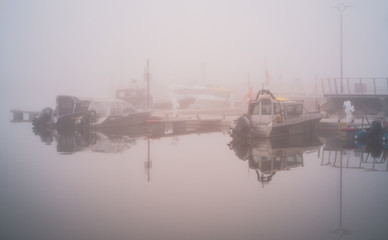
(148,163)
(369,156)
(340,230)
(117,140)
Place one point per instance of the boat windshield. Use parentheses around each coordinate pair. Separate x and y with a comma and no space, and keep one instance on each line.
(101,108)
(266,107)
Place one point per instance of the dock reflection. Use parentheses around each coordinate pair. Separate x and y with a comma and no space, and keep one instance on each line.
(111,140)
(108,141)
(269,156)
(116,140)
(353,155)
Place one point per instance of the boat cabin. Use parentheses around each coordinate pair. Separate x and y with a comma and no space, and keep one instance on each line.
(269,116)
(69,104)
(266,108)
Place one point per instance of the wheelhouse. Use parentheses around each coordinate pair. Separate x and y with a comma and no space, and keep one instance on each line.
(278,109)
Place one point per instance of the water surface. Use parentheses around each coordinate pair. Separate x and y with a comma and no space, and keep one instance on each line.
(187,187)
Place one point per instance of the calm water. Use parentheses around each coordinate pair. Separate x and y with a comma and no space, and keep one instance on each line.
(187,187)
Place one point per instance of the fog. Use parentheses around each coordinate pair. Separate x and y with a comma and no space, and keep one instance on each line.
(90,48)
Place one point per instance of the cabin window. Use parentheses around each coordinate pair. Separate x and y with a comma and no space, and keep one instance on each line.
(276,108)
(291,109)
(82,106)
(299,158)
(254,109)
(115,109)
(294,109)
(299,109)
(101,108)
(266,107)
(65,106)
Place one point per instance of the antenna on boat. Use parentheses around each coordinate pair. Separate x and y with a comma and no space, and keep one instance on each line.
(249,83)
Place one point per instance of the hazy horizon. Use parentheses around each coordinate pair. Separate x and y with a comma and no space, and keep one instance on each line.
(89,48)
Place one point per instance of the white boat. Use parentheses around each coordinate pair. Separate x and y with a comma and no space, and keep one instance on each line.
(269,116)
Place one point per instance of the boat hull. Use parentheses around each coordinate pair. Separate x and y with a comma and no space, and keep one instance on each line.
(304,126)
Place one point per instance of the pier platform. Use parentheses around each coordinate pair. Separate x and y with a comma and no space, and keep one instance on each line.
(199,119)
(23,116)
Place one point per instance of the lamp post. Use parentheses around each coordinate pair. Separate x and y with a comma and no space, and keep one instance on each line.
(341,8)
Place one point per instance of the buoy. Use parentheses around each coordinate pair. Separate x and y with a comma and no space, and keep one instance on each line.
(384,137)
(360,134)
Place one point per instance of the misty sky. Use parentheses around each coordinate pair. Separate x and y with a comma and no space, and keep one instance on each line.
(89,48)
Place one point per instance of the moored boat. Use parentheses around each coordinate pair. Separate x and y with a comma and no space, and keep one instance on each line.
(68,111)
(75,114)
(269,116)
(373,129)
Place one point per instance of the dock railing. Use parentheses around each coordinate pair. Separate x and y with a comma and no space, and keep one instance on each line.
(367,87)
(20,115)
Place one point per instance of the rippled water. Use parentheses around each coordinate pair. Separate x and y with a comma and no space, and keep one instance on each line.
(194,186)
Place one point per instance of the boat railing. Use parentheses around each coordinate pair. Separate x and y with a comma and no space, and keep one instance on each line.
(367,120)
(306,111)
(354,86)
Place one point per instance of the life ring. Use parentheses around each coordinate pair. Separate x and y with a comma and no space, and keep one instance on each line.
(278,118)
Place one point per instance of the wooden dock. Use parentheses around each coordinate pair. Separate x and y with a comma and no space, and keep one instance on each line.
(164,122)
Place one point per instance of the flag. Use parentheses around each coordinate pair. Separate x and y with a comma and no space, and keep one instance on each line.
(267,78)
(249,96)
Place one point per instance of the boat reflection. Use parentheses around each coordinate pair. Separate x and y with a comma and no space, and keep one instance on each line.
(108,141)
(112,140)
(268,156)
(370,156)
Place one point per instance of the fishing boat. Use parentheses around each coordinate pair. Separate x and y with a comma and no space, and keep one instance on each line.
(67,112)
(269,116)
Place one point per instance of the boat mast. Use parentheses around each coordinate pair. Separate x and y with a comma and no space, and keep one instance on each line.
(147,78)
